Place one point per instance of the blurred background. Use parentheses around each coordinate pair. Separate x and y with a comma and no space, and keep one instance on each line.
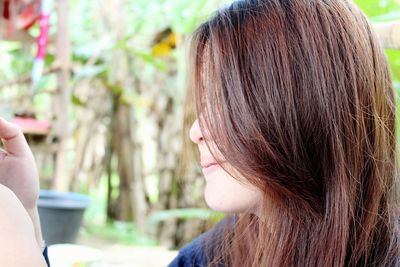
(98,88)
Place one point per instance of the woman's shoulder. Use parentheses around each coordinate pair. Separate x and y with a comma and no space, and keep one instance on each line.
(193,253)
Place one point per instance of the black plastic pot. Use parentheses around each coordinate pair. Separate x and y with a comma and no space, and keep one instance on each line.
(61,215)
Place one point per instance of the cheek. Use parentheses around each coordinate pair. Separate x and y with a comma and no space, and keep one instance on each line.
(225,194)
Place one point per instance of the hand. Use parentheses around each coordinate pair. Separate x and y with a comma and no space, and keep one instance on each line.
(18,169)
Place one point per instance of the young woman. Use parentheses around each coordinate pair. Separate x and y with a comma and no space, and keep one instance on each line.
(296,132)
(297,138)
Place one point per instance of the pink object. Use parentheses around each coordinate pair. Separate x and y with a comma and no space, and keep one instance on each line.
(43,37)
(32,126)
(42,42)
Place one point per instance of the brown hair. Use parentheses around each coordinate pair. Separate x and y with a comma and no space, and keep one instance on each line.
(297,96)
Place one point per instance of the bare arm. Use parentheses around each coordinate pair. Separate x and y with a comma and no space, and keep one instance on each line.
(18,245)
(34,215)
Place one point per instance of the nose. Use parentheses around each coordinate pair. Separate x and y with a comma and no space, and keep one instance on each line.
(195,134)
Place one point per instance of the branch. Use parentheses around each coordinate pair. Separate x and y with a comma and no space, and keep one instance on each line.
(27,78)
(388,33)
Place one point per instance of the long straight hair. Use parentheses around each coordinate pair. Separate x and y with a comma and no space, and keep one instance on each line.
(297,96)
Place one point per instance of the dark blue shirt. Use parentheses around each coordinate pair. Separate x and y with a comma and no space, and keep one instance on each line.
(46,257)
(194,253)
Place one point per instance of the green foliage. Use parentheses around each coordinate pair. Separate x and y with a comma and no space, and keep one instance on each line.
(147,18)
(394,60)
(385,10)
(77,101)
(89,72)
(393,15)
(93,39)
(149,58)
(185,214)
(121,232)
(379,8)
(16,60)
(96,223)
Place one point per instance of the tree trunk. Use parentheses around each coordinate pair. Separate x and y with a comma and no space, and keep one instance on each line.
(175,191)
(62,100)
(131,203)
(91,135)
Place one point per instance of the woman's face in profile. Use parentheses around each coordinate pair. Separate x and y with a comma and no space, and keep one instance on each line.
(223,192)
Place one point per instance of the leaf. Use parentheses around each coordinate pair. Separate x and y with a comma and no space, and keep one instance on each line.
(115,89)
(188,16)
(396,85)
(149,58)
(127,97)
(8,47)
(387,17)
(90,72)
(49,59)
(122,43)
(162,50)
(375,8)
(77,101)
(87,50)
(204,214)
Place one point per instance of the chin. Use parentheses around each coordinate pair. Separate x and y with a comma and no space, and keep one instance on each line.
(223,193)
(221,205)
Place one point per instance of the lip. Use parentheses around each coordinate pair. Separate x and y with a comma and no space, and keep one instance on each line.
(207,164)
(209,168)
